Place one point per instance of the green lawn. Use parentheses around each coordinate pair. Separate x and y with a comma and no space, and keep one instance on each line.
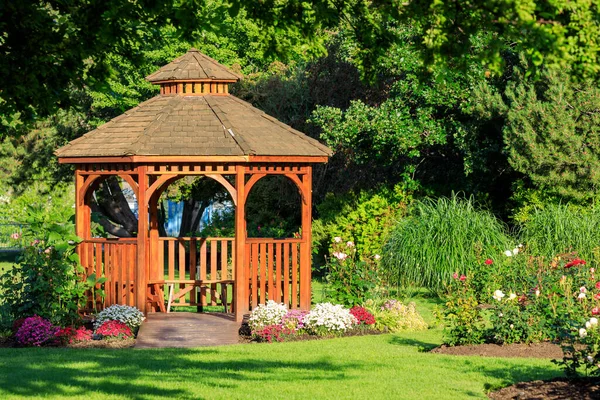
(373,367)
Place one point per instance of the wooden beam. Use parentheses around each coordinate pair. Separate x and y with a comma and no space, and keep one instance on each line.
(141,283)
(305,247)
(228,186)
(241,285)
(289,159)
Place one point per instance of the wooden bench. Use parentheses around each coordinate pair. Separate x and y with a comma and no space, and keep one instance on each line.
(158,297)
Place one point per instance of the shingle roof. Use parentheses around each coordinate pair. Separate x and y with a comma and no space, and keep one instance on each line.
(193,65)
(210,125)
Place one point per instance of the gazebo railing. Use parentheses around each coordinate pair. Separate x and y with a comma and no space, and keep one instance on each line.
(115,260)
(195,271)
(273,270)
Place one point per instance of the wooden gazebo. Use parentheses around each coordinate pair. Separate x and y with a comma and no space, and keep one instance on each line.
(194,127)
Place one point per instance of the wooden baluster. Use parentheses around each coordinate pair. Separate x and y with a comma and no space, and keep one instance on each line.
(294,275)
(286,274)
(182,277)
(203,268)
(263,274)
(254,274)
(193,299)
(171,256)
(270,258)
(277,294)
(213,272)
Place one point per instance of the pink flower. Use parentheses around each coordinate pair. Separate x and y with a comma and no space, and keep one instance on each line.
(48,250)
(597,296)
(462,278)
(598,285)
(337,239)
(592,270)
(489,261)
(377,257)
(15,236)
(595,311)
(582,289)
(340,256)
(350,244)
(455,275)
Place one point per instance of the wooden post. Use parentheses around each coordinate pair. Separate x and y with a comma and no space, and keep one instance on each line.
(79,205)
(141,283)
(154,261)
(241,285)
(305,254)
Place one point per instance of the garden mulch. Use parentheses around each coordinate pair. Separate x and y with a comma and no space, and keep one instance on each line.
(555,389)
(535,350)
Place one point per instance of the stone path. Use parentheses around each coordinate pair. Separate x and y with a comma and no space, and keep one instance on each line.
(183,329)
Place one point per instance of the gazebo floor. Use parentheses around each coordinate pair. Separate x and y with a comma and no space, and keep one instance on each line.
(186,329)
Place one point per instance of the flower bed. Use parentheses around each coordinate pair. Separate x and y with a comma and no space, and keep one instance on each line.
(272,322)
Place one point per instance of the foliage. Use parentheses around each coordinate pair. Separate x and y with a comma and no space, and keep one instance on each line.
(48,280)
(266,314)
(463,318)
(130,316)
(514,322)
(36,331)
(440,237)
(581,350)
(362,315)
(327,318)
(350,280)
(563,228)
(393,316)
(114,329)
(365,218)
(550,131)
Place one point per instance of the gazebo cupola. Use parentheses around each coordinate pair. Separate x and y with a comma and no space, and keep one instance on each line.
(194,127)
(194,74)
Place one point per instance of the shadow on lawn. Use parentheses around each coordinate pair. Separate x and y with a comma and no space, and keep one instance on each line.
(422,346)
(66,372)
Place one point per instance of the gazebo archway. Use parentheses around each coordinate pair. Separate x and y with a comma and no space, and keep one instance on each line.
(194,127)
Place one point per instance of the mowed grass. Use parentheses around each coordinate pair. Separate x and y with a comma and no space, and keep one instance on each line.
(373,367)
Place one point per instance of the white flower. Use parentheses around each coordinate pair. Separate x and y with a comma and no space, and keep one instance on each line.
(537,293)
(592,270)
(590,359)
(267,314)
(377,256)
(130,316)
(515,251)
(594,321)
(520,245)
(329,318)
(588,325)
(582,333)
(350,244)
(340,256)
(498,295)
(583,289)
(512,296)
(512,326)
(581,296)
(500,315)
(508,253)
(337,239)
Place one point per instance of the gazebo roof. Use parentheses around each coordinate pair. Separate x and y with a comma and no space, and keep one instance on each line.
(193,65)
(184,122)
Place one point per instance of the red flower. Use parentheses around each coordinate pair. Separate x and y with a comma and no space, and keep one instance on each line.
(575,262)
(597,296)
(595,311)
(463,278)
(363,316)
(489,261)
(598,285)
(114,329)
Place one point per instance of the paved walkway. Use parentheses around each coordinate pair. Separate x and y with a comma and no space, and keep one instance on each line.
(183,329)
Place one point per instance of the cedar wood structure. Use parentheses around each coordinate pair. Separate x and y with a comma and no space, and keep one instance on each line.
(194,127)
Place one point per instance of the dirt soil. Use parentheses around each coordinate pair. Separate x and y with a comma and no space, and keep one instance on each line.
(560,388)
(536,350)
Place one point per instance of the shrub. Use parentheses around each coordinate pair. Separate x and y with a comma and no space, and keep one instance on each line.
(463,319)
(326,318)
(362,315)
(266,314)
(393,316)
(440,237)
(130,316)
(48,280)
(36,331)
(562,228)
(294,320)
(350,280)
(114,329)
